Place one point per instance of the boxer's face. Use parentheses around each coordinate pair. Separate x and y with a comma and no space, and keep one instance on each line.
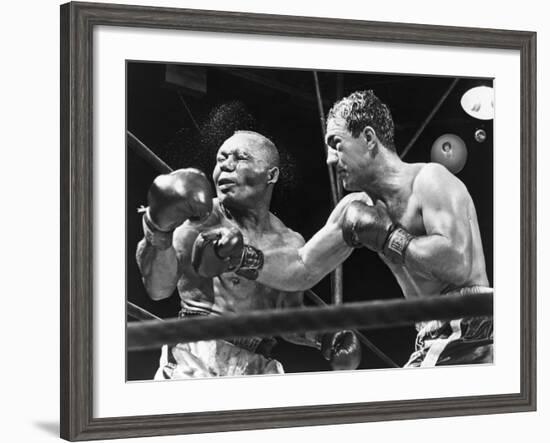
(242,171)
(347,153)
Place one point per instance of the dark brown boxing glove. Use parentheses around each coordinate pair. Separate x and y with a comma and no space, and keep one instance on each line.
(174,198)
(365,225)
(371,226)
(223,250)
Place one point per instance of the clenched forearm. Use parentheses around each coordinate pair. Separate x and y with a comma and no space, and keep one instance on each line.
(159,269)
(298,269)
(435,257)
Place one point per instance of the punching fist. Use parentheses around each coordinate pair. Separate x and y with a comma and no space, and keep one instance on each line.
(342,349)
(365,225)
(176,197)
(217,251)
(372,227)
(223,250)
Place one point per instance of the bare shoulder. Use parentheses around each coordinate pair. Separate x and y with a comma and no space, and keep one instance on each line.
(430,174)
(434,182)
(286,235)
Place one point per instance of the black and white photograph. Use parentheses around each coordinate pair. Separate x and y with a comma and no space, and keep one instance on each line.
(286,221)
(274,220)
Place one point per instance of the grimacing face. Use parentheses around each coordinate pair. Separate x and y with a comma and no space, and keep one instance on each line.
(241,174)
(347,153)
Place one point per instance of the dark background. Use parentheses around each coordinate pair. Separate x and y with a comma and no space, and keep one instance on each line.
(184,112)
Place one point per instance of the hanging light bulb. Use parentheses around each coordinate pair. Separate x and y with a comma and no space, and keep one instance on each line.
(450,151)
(478,102)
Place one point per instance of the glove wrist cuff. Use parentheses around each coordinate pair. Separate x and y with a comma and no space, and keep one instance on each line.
(396,244)
(252,261)
(159,238)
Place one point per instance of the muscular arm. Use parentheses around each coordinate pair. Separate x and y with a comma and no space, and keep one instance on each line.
(296,267)
(184,194)
(159,269)
(162,269)
(444,253)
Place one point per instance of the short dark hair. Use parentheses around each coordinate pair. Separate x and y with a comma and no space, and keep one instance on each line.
(361,109)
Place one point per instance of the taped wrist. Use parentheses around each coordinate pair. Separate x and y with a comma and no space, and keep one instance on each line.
(396,244)
(252,260)
(159,238)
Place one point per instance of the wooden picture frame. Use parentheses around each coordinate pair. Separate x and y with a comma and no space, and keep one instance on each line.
(77,23)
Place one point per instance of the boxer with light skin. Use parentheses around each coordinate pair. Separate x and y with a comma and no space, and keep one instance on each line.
(418,217)
(209,249)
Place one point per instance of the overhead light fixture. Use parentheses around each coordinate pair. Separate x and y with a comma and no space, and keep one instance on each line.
(478,102)
(450,151)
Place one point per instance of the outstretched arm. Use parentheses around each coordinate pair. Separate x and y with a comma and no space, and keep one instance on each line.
(296,267)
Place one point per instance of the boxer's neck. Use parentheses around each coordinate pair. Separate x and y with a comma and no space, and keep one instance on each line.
(251,219)
(390,177)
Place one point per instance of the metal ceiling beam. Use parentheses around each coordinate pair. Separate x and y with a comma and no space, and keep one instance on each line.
(276,85)
(429,117)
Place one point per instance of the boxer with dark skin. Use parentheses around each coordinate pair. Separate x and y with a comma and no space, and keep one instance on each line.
(208,247)
(418,217)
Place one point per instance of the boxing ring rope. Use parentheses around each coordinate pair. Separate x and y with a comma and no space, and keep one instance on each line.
(337,276)
(428,119)
(144,152)
(336,195)
(138,313)
(364,340)
(365,315)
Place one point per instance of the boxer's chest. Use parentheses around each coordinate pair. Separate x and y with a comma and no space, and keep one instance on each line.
(408,214)
(235,292)
(261,240)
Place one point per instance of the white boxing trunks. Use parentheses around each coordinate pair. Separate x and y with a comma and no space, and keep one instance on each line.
(212,358)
